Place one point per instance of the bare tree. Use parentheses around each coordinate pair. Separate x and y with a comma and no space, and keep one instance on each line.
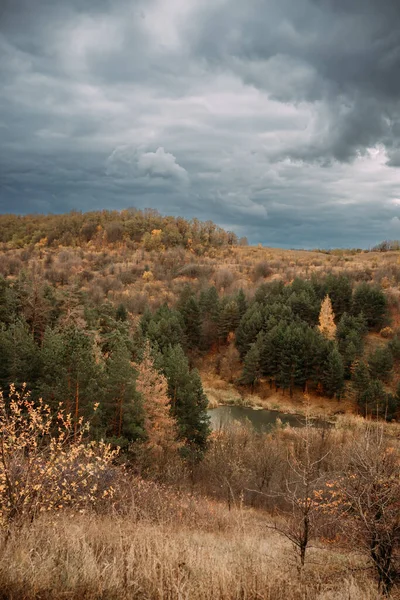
(367,497)
(296,499)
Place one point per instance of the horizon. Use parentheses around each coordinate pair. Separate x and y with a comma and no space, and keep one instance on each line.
(279,121)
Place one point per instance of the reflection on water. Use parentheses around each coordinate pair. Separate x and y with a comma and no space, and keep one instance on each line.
(262,420)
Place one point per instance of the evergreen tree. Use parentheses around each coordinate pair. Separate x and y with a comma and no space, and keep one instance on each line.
(339,290)
(241,303)
(70,372)
(249,327)
(394,346)
(228,319)
(190,312)
(304,306)
(188,401)
(121,314)
(333,374)
(380,364)
(251,367)
(370,301)
(122,407)
(372,401)
(165,328)
(20,361)
(360,379)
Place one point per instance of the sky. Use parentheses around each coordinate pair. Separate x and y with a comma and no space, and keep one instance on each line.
(277,119)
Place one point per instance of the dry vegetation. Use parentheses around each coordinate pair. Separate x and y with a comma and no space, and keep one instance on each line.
(155,525)
(189,548)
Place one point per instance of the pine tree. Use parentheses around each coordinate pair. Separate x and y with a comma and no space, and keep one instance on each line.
(121,314)
(241,302)
(249,327)
(372,401)
(20,357)
(190,312)
(121,406)
(380,364)
(327,319)
(228,319)
(159,425)
(370,301)
(360,379)
(188,400)
(333,374)
(251,367)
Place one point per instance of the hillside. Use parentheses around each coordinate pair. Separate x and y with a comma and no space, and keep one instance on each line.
(139,261)
(118,331)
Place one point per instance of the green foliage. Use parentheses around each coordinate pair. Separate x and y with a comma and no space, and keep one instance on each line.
(189,309)
(333,374)
(380,364)
(164,328)
(229,318)
(20,358)
(251,366)
(188,400)
(249,327)
(370,301)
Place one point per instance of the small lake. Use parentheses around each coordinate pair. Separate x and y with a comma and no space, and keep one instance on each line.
(261,420)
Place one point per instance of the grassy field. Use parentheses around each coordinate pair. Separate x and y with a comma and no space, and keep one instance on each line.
(192,549)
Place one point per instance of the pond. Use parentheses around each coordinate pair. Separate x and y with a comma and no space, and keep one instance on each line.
(259,419)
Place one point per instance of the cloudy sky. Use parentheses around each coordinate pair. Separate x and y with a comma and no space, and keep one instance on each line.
(278,119)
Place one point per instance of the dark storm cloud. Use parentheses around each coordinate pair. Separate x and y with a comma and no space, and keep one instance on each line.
(278,119)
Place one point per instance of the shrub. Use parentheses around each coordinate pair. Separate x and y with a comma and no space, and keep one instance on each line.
(45,463)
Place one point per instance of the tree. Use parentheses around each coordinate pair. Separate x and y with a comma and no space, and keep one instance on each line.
(333,374)
(122,408)
(302,479)
(372,399)
(44,464)
(251,368)
(339,289)
(327,319)
(121,314)
(190,312)
(228,319)
(230,360)
(370,301)
(159,425)
(241,302)
(380,363)
(70,371)
(249,327)
(366,498)
(188,400)
(20,357)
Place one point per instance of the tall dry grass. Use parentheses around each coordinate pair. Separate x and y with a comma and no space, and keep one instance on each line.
(169,547)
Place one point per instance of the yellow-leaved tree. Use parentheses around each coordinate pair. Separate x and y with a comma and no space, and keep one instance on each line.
(160,426)
(45,462)
(327,324)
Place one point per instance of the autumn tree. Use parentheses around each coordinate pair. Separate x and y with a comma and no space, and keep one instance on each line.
(366,498)
(45,462)
(327,319)
(230,361)
(160,427)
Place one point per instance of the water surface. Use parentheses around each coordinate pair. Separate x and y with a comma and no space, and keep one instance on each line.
(261,420)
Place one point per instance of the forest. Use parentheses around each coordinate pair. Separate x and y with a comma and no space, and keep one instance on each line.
(116,330)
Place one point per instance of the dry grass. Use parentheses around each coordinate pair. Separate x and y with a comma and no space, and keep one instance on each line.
(220,555)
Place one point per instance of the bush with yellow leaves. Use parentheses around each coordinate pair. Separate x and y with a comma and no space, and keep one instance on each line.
(46,464)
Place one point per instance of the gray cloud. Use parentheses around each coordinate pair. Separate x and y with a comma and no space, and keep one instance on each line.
(278,119)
